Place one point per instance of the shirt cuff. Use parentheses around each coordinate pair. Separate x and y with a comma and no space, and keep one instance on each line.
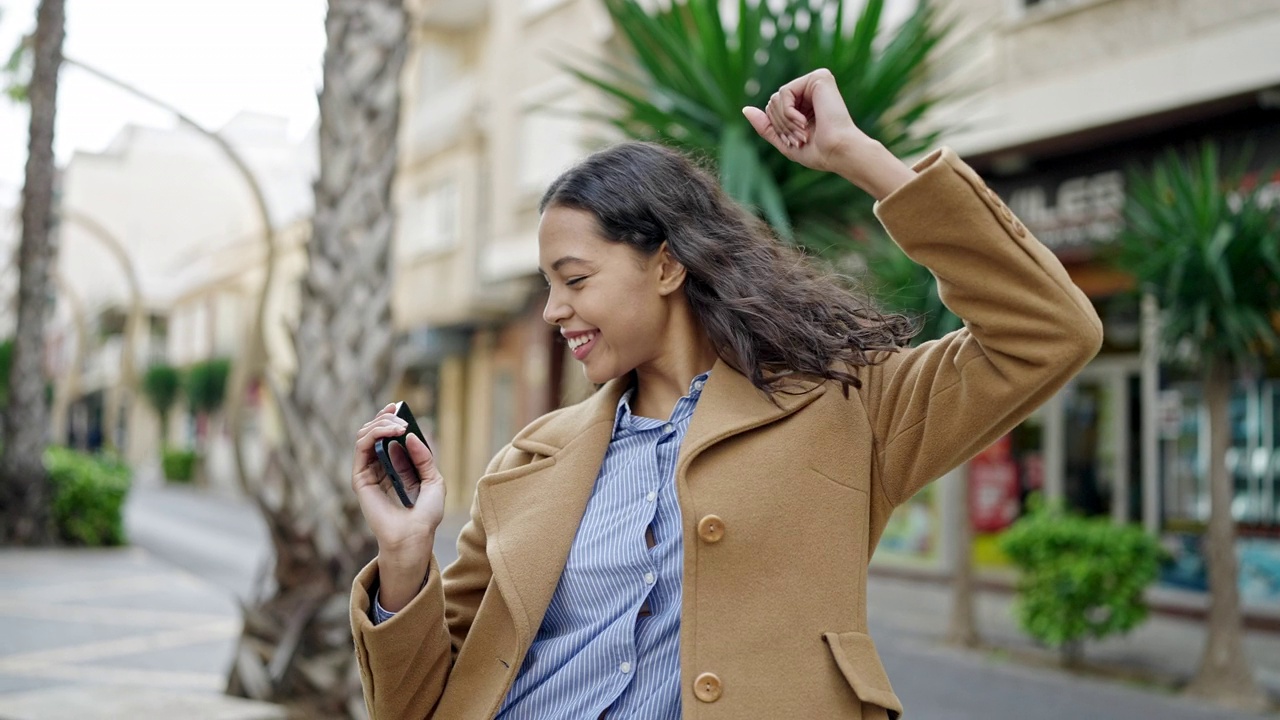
(379,614)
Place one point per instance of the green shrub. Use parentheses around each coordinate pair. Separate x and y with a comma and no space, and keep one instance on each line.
(1080,578)
(206,385)
(161,385)
(88,496)
(179,465)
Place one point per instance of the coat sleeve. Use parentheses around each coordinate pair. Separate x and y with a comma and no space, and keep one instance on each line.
(1027,330)
(405,661)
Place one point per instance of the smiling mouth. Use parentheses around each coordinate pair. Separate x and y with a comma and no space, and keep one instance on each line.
(580,345)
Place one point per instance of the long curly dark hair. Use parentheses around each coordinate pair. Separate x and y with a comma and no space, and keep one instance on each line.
(772,313)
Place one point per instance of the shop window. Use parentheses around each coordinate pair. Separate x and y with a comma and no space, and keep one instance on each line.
(1252,459)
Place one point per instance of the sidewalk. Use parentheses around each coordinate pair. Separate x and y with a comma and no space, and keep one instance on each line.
(114,633)
(1165,650)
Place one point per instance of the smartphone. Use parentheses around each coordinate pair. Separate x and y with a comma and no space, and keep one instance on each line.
(394,455)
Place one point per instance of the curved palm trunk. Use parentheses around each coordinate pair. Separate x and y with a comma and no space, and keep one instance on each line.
(296,646)
(1224,674)
(24,491)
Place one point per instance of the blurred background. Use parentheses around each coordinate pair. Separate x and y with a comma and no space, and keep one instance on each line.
(237,278)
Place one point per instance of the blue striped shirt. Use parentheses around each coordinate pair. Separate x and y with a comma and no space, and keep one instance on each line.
(595,650)
(611,637)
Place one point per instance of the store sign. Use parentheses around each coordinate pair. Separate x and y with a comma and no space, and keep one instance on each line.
(1078,214)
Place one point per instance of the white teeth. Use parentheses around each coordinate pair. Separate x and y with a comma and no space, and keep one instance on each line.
(579,341)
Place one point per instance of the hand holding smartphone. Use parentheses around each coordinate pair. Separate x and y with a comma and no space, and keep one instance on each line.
(395,458)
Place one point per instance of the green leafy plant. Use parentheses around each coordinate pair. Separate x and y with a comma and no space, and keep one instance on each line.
(694,68)
(1209,249)
(206,385)
(1080,578)
(162,384)
(88,496)
(179,465)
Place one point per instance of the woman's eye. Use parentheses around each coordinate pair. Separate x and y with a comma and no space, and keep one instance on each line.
(574,281)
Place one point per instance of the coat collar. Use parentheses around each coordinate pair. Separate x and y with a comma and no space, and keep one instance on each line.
(532,512)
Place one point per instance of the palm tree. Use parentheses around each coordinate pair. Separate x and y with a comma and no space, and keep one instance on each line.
(296,646)
(24,491)
(694,67)
(1209,250)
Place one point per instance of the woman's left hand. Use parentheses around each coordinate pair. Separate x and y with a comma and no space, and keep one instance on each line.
(808,122)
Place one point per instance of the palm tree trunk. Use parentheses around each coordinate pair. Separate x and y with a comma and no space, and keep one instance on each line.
(1224,674)
(24,490)
(962,630)
(296,646)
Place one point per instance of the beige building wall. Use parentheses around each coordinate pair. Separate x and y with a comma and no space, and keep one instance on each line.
(1059,68)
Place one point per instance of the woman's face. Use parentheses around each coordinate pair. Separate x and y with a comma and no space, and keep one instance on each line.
(607,298)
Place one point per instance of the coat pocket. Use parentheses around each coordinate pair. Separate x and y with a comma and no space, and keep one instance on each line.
(855,654)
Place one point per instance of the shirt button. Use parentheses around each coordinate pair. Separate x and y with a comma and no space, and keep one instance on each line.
(697,385)
(668,428)
(649,578)
(651,496)
(625,667)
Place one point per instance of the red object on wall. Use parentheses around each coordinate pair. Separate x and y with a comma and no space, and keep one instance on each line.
(993,488)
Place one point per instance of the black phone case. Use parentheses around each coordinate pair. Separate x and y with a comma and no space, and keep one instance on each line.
(380,447)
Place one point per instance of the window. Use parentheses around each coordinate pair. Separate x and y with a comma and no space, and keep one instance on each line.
(550,141)
(430,223)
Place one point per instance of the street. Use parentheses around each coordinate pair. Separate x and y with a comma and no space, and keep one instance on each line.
(223,541)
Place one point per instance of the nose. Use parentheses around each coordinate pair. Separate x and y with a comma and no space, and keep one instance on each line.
(556,311)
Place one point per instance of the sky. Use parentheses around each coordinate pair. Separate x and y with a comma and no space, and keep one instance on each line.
(210,59)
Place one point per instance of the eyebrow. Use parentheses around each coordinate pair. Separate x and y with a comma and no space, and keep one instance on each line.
(566,260)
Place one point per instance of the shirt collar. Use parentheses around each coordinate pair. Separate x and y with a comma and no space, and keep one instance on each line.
(623,419)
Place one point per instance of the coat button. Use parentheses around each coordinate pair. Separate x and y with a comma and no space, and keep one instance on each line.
(1019,229)
(711,528)
(707,687)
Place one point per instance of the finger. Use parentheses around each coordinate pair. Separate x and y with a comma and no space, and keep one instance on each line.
(421,456)
(760,123)
(364,453)
(777,118)
(382,429)
(379,421)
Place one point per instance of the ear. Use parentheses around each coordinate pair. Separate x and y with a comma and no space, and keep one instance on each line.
(671,272)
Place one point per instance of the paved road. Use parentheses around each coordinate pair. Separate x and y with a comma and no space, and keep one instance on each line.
(223,541)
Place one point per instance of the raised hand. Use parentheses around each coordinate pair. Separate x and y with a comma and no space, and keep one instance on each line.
(808,122)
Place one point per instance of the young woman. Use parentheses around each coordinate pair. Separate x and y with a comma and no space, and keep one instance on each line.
(692,541)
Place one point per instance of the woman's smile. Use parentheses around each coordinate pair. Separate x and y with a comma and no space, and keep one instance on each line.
(581,344)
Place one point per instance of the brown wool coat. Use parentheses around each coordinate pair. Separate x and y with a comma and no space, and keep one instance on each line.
(782,506)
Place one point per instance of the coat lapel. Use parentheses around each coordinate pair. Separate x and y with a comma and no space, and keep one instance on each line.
(532,511)
(731,405)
